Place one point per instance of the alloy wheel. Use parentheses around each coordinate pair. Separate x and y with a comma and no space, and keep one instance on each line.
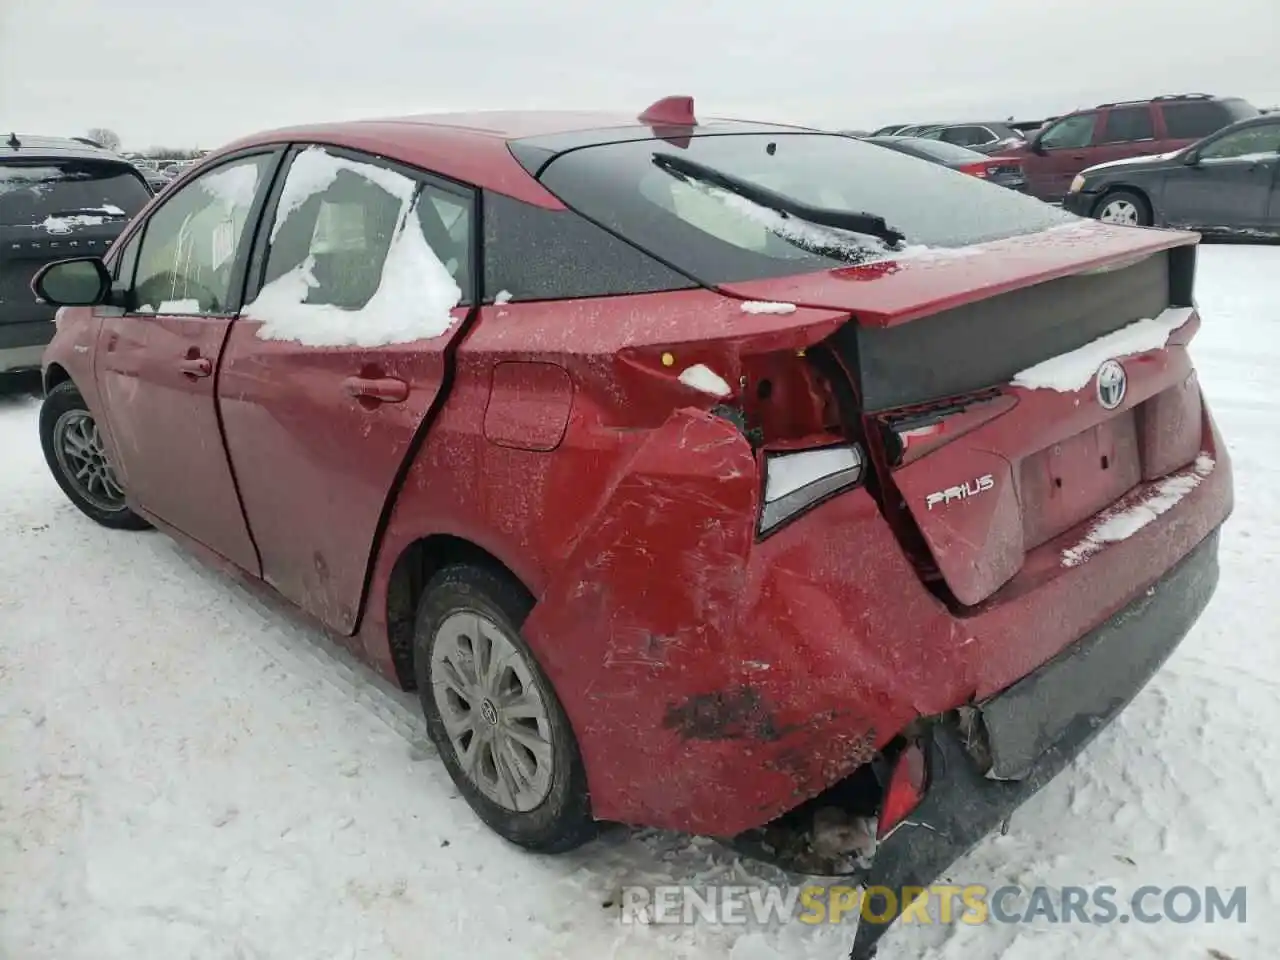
(1120,211)
(77,443)
(492,710)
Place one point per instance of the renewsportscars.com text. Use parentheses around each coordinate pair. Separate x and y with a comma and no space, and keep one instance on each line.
(937,904)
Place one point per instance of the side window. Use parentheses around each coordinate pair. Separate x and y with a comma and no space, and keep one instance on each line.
(187,258)
(968,136)
(523,242)
(1191,121)
(1251,142)
(1072,133)
(357,249)
(1127,124)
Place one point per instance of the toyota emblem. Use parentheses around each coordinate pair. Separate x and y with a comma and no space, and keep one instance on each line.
(1112,384)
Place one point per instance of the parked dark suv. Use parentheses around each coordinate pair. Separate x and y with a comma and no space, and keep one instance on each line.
(58,198)
(1116,131)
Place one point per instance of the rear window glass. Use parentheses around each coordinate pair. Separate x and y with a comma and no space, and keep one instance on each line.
(32,191)
(720,237)
(1196,119)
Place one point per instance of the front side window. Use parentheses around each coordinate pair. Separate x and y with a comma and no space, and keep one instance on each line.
(362,254)
(1071,133)
(1127,124)
(1253,142)
(188,254)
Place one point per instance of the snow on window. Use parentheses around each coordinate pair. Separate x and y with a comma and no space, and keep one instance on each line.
(314,170)
(1074,370)
(412,302)
(504,296)
(703,378)
(1122,522)
(235,186)
(764,306)
(179,306)
(63,225)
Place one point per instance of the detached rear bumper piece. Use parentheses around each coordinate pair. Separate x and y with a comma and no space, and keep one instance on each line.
(1034,729)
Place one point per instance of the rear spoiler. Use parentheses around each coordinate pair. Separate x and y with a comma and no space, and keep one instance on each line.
(920,283)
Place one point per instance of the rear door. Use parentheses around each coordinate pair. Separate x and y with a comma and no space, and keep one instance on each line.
(1063,150)
(181,272)
(51,209)
(1230,186)
(362,279)
(1125,132)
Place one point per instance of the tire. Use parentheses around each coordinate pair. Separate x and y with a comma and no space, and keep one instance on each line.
(1125,207)
(465,610)
(67,424)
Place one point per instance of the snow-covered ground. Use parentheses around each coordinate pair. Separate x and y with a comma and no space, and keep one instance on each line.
(185,773)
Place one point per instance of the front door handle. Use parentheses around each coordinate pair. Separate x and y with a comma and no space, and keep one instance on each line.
(196,367)
(381,389)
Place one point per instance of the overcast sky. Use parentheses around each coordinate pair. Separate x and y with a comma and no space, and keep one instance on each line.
(182,73)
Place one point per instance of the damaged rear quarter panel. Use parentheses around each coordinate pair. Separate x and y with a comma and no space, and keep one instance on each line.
(714,683)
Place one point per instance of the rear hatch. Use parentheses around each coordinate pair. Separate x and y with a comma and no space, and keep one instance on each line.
(957,292)
(55,208)
(979,384)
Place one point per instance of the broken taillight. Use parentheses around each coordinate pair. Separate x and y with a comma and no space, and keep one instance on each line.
(796,480)
(905,791)
(910,433)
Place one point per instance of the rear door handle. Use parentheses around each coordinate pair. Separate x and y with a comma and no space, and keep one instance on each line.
(196,367)
(382,389)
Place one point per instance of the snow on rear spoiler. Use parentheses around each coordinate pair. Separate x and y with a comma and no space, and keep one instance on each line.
(923,282)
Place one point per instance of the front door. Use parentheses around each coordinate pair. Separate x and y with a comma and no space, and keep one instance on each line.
(1063,150)
(157,361)
(332,370)
(1229,187)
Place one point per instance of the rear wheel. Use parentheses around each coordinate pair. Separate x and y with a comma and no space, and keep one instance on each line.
(1124,207)
(493,715)
(77,457)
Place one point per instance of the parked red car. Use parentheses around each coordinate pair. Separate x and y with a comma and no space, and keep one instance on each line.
(1117,131)
(697,475)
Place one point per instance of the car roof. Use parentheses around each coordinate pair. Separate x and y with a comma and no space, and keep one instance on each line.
(481,147)
(23,146)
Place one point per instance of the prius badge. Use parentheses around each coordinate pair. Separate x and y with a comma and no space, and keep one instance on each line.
(1112,384)
(962,491)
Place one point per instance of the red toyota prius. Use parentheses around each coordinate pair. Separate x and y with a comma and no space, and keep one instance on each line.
(710,476)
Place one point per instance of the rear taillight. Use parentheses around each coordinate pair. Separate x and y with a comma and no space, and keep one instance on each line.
(912,432)
(975,169)
(796,480)
(907,784)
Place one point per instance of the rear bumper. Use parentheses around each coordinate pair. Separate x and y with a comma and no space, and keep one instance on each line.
(756,674)
(1035,728)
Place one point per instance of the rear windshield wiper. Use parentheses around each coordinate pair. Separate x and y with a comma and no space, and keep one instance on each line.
(855,221)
